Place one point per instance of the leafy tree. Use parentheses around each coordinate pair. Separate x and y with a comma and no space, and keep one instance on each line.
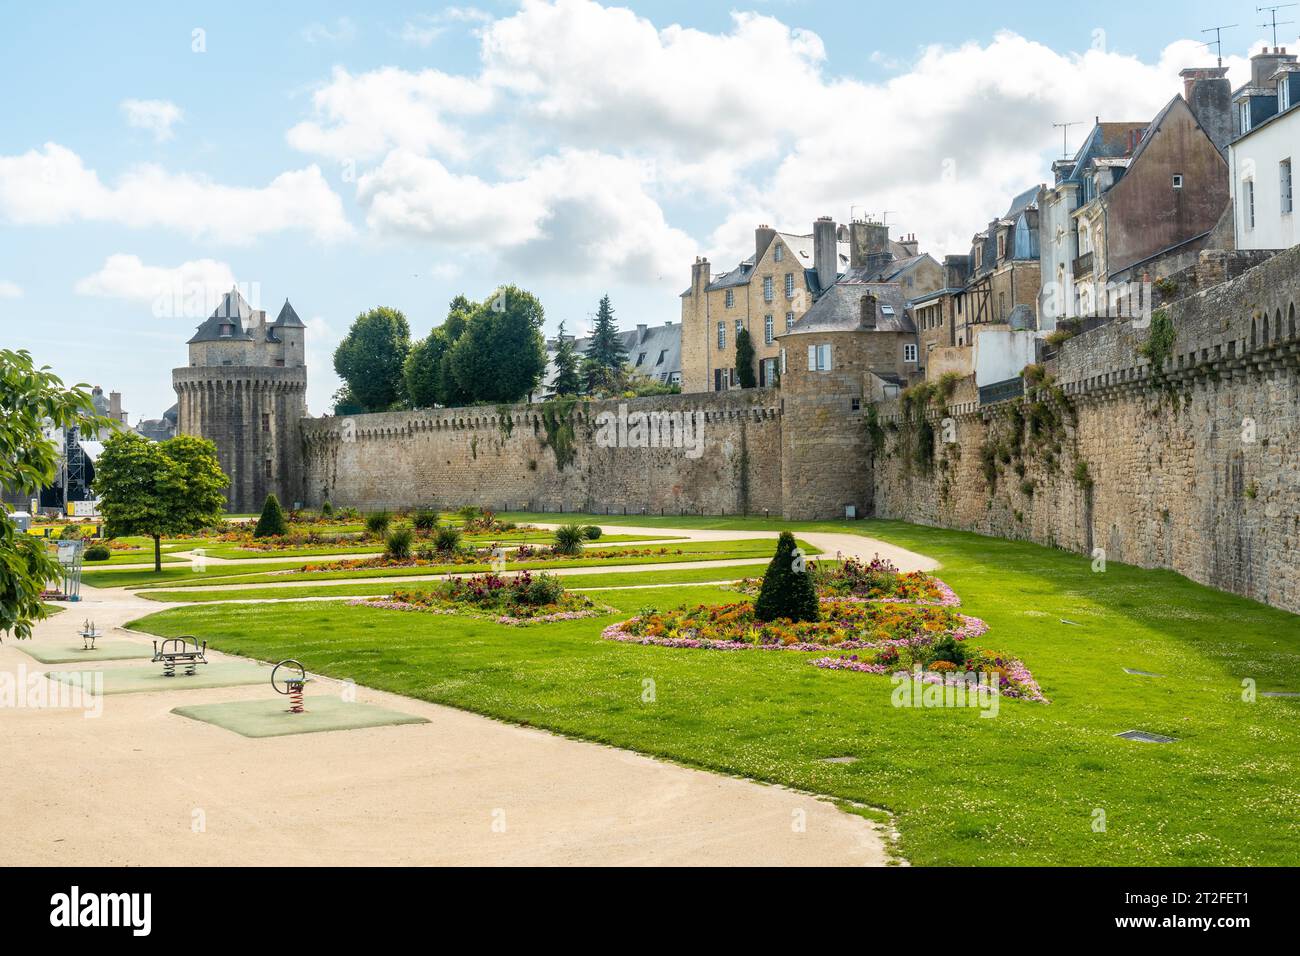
(605,353)
(422,370)
(31,398)
(788,590)
(271,522)
(745,359)
(501,355)
(567,381)
(370,360)
(157,489)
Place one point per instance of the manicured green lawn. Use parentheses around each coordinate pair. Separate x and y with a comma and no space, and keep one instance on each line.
(680,575)
(1022,788)
(257,572)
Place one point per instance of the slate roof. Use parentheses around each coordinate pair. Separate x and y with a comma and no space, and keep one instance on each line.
(839,309)
(232,310)
(657,339)
(288,319)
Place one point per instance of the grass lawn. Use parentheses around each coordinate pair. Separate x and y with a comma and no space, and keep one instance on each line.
(1022,788)
(681,575)
(256,572)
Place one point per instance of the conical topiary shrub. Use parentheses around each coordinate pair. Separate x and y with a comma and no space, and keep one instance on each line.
(788,591)
(272,520)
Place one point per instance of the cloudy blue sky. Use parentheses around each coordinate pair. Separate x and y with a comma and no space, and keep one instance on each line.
(353,155)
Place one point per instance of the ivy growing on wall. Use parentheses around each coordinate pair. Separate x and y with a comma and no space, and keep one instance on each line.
(1034,429)
(560,436)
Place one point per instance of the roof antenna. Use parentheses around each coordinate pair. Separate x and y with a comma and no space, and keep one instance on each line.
(1065,136)
(884,217)
(1275,24)
(1217,42)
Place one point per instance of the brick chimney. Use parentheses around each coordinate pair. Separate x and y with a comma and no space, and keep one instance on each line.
(1209,94)
(826,257)
(763,237)
(640,332)
(867,311)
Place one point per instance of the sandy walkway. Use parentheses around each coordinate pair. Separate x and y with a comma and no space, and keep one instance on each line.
(126,787)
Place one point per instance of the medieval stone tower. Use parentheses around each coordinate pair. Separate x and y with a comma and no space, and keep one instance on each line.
(245,390)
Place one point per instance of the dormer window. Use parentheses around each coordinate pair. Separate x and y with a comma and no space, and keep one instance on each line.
(227,331)
(1245,116)
(1284,94)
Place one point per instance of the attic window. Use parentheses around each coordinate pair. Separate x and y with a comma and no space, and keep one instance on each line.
(227,331)
(1178,180)
(662,355)
(639,359)
(886,310)
(778,253)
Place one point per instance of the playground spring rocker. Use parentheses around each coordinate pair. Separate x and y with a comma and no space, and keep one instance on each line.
(180,650)
(291,685)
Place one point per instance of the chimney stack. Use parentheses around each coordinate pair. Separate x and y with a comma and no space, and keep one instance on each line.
(826,258)
(867,311)
(1209,94)
(868,244)
(699,276)
(1265,63)
(763,237)
(640,332)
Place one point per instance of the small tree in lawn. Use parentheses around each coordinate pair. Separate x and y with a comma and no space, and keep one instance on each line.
(159,488)
(788,590)
(745,359)
(271,522)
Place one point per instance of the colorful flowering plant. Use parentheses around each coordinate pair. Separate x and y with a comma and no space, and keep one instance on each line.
(425,557)
(885,636)
(874,580)
(522,599)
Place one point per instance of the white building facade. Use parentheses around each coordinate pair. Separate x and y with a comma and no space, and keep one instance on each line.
(1262,161)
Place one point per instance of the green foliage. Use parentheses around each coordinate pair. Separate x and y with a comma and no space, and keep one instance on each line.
(788,590)
(327,509)
(569,538)
(875,433)
(605,356)
(947,648)
(560,436)
(370,359)
(1081,475)
(446,539)
(271,522)
(1159,345)
(745,359)
(173,487)
(501,355)
(398,543)
(924,451)
(377,523)
(567,380)
(422,370)
(425,520)
(591,532)
(97,552)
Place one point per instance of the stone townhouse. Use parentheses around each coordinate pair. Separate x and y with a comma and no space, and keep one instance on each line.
(771,290)
(1262,157)
(1150,211)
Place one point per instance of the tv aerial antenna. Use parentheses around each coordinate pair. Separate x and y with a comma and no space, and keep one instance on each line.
(1065,136)
(1217,42)
(1274,21)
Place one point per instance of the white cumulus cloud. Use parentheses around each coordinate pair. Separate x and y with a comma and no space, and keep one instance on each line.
(52,185)
(155,116)
(10,290)
(190,289)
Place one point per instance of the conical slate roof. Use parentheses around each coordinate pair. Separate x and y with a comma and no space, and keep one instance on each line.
(232,310)
(288,319)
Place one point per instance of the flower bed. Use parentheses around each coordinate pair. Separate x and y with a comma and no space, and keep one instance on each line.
(522,599)
(874,580)
(426,557)
(886,636)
